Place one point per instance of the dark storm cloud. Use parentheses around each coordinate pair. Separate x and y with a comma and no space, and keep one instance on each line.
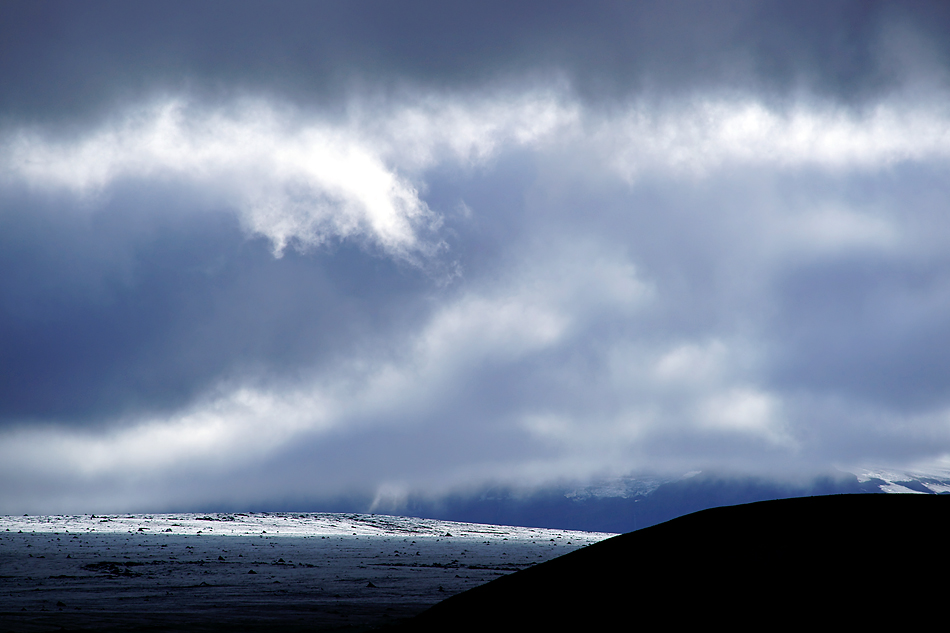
(142,304)
(311,248)
(60,59)
(869,328)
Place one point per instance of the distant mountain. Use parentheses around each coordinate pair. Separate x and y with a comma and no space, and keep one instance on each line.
(630,503)
(934,480)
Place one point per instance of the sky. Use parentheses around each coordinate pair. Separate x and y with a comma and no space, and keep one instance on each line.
(255,251)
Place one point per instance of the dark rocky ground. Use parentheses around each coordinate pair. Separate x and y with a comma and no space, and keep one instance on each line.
(272,572)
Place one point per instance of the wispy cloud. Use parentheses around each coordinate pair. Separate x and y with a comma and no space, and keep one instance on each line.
(296,180)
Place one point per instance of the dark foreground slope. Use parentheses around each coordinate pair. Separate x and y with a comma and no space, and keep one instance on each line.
(836,560)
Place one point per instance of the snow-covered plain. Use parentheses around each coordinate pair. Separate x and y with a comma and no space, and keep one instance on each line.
(257,571)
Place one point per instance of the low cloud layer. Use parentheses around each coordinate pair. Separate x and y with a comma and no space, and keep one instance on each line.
(258,296)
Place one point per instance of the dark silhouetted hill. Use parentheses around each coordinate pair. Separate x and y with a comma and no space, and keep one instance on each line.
(840,561)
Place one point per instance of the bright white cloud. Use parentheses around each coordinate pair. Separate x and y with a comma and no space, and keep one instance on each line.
(692,363)
(292,184)
(220,431)
(293,180)
(302,181)
(468,130)
(698,138)
(655,396)
(746,411)
(836,228)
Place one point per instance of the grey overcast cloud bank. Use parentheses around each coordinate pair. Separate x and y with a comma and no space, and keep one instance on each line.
(252,252)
